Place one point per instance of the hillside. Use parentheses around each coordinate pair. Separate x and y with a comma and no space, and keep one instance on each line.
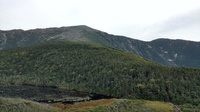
(21,105)
(121,105)
(20,38)
(163,51)
(97,69)
(103,105)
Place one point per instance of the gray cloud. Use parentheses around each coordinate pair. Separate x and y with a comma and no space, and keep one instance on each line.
(129,18)
(186,26)
(180,22)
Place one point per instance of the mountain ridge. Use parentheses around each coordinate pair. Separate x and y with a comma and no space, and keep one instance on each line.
(170,52)
(97,68)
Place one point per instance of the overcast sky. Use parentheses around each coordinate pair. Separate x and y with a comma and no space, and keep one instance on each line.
(138,19)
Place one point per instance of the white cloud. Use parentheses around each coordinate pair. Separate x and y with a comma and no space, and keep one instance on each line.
(179,27)
(123,17)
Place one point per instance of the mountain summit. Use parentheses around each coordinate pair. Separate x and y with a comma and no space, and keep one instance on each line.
(164,51)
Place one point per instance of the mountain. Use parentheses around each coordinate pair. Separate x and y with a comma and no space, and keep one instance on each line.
(97,69)
(164,51)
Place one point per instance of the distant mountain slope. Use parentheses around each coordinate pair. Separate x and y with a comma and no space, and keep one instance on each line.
(101,70)
(163,51)
(177,52)
(20,38)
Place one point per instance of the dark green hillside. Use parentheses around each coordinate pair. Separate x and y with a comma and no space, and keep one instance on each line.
(100,70)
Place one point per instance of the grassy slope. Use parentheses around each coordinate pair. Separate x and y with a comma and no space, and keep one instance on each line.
(20,105)
(103,105)
(100,70)
(121,105)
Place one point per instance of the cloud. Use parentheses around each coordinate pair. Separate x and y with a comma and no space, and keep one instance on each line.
(132,18)
(180,22)
(184,26)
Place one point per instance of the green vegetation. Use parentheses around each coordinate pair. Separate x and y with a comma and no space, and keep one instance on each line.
(103,105)
(20,105)
(100,70)
(190,108)
(123,105)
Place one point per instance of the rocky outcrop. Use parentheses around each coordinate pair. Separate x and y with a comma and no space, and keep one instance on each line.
(47,94)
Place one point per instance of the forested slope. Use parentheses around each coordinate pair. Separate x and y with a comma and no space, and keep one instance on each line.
(100,70)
